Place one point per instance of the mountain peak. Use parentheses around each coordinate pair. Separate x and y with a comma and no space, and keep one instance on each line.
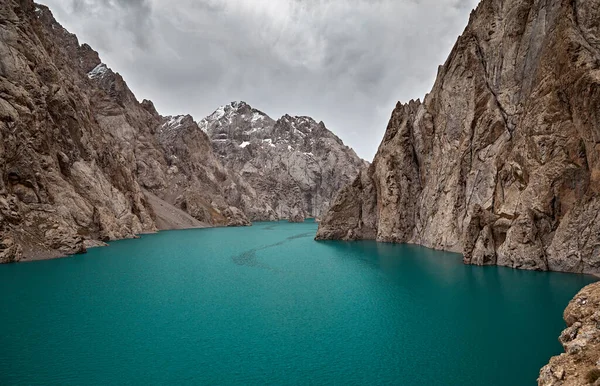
(293,154)
(239,104)
(239,112)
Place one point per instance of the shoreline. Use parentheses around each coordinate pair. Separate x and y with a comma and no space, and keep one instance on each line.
(38,254)
(91,244)
(41,255)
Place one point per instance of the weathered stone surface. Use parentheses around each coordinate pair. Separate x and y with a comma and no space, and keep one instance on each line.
(77,149)
(83,162)
(353,215)
(64,178)
(297,215)
(290,165)
(193,178)
(580,364)
(501,161)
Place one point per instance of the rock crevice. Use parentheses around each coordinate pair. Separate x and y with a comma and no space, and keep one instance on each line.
(501,159)
(294,166)
(82,161)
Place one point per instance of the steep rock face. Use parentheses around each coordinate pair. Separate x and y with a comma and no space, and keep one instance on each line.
(294,165)
(195,180)
(580,364)
(64,180)
(173,157)
(501,161)
(76,147)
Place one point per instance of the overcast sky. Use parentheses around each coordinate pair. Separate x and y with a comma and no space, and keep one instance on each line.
(345,62)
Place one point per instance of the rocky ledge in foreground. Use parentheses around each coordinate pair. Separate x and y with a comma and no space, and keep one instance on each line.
(580,364)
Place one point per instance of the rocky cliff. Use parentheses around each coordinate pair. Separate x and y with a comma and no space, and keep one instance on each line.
(294,166)
(173,157)
(82,161)
(501,161)
(580,364)
(78,151)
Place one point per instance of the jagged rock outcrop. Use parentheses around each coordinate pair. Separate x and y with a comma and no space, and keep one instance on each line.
(77,148)
(580,364)
(64,180)
(195,180)
(501,161)
(297,215)
(82,161)
(173,157)
(294,166)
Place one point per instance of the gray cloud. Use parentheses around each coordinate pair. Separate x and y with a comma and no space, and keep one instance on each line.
(346,62)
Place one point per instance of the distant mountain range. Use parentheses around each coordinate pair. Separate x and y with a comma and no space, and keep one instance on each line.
(295,165)
(84,162)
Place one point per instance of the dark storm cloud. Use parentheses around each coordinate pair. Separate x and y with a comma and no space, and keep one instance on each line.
(345,62)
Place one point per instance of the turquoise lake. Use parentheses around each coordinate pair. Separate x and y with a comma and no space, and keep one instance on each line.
(269,305)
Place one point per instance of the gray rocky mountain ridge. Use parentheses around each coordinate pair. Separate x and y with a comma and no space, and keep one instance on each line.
(82,161)
(295,165)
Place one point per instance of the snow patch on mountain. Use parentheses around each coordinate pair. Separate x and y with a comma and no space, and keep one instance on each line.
(174,122)
(98,71)
(220,112)
(256,117)
(269,141)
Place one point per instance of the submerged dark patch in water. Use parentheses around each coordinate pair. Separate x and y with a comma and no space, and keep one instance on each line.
(190,307)
(249,257)
(301,235)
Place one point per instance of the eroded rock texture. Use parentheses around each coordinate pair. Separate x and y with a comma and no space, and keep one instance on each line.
(294,166)
(77,148)
(580,363)
(501,161)
(82,161)
(64,179)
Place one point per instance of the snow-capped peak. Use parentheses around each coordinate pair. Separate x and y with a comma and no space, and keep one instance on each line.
(239,112)
(238,104)
(220,112)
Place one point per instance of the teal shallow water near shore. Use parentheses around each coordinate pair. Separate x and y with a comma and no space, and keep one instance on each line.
(268,305)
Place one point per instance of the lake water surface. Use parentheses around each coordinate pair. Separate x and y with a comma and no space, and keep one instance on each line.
(268,305)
